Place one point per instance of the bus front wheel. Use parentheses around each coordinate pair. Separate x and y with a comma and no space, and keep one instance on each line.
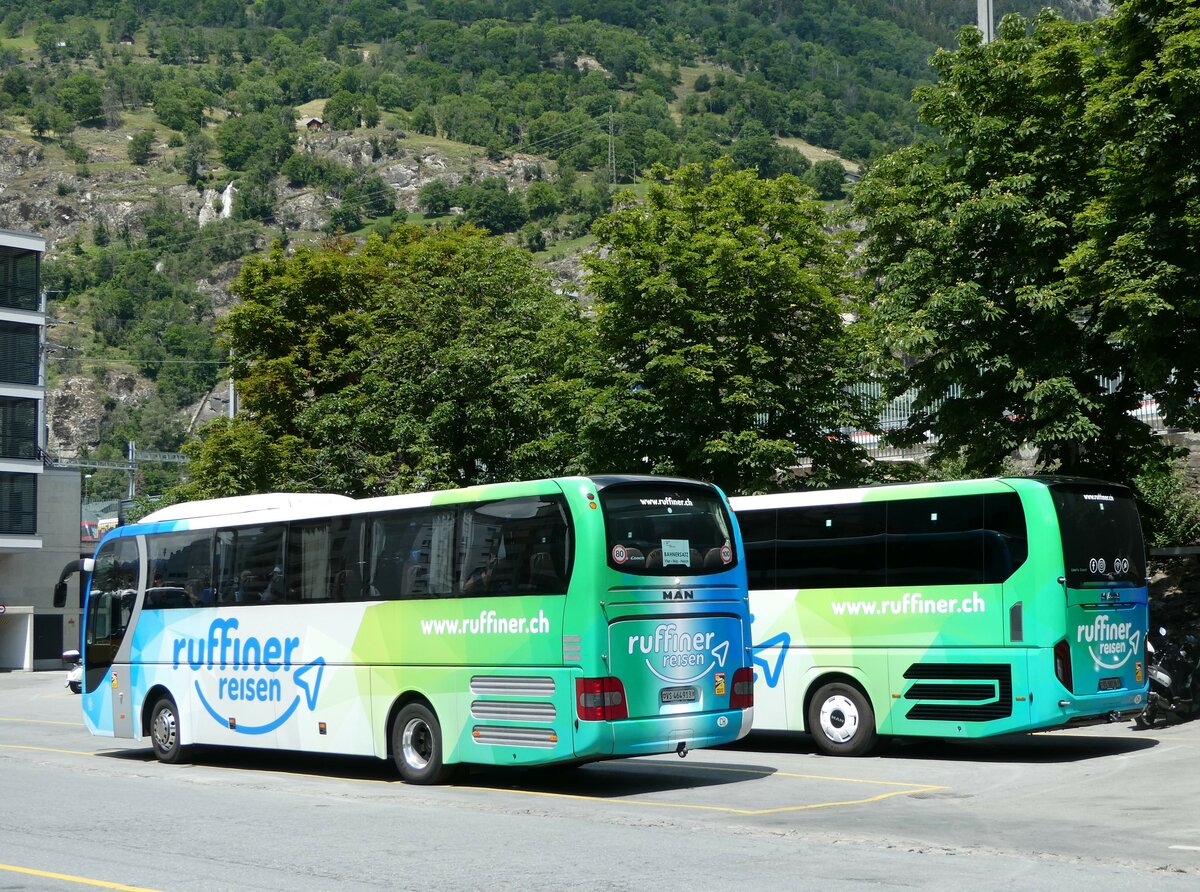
(164,731)
(841,720)
(417,746)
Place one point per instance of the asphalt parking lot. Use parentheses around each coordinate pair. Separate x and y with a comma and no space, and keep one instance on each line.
(1093,808)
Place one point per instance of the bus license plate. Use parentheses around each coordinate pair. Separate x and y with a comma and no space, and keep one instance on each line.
(678,695)
(1110,684)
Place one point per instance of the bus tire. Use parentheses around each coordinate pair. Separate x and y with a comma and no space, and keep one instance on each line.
(417,746)
(841,720)
(164,731)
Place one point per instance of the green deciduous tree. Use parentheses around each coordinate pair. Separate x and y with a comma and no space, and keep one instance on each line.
(426,360)
(1138,258)
(435,198)
(974,246)
(140,145)
(82,96)
(719,302)
(234,457)
(828,178)
(259,137)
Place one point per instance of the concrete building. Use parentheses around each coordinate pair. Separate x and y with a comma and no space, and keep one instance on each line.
(39,506)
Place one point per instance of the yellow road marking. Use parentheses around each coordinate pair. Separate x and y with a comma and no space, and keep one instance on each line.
(48,749)
(41,722)
(924,788)
(66,877)
(908,791)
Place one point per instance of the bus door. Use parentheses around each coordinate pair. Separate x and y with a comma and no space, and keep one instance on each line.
(107,695)
(1105,589)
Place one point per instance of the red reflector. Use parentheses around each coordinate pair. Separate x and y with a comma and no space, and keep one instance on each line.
(1062,663)
(600,699)
(742,692)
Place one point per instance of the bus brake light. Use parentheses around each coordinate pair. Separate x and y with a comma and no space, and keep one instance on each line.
(600,699)
(1062,663)
(742,693)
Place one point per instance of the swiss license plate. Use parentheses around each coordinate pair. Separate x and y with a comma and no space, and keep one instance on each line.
(1110,684)
(678,695)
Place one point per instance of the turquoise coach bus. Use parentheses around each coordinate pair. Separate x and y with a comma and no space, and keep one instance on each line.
(958,609)
(562,620)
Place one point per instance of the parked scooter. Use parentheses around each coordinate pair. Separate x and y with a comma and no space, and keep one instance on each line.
(75,672)
(1174,671)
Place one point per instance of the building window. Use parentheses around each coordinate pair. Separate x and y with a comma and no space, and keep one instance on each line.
(19,345)
(18,279)
(18,428)
(18,504)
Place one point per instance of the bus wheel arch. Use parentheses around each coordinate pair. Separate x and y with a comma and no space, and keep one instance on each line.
(416,743)
(840,717)
(153,695)
(162,723)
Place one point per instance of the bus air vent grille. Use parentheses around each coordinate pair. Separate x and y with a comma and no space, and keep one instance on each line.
(511,711)
(996,681)
(542,738)
(512,686)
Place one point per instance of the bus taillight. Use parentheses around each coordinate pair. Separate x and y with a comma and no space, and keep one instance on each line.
(742,693)
(1062,663)
(600,699)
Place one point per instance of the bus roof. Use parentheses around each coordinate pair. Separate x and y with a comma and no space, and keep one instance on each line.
(885,492)
(234,506)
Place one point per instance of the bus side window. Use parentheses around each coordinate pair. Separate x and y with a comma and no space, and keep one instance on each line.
(411,554)
(831,546)
(250,561)
(509,547)
(182,564)
(1004,518)
(758,539)
(323,561)
(935,541)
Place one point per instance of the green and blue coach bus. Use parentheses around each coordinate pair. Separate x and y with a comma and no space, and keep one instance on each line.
(552,621)
(960,609)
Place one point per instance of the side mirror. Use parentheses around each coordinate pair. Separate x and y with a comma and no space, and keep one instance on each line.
(83,565)
(70,656)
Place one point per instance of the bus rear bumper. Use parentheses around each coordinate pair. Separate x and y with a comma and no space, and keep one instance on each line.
(1080,712)
(666,734)
(1108,718)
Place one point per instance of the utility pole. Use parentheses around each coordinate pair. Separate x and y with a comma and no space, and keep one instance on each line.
(984,9)
(612,155)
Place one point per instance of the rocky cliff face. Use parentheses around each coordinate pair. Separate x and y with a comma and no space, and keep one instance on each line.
(45,190)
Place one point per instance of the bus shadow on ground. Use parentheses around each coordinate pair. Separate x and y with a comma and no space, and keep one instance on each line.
(1044,747)
(358,768)
(616,779)
(608,779)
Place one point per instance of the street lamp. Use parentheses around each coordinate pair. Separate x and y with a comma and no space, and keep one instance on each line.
(86,487)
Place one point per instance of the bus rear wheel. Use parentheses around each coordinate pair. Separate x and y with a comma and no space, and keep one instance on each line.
(417,746)
(164,731)
(841,720)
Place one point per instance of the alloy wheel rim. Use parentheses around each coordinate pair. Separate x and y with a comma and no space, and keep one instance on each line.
(417,743)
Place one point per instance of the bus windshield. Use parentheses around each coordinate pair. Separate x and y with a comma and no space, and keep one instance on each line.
(1101,535)
(654,529)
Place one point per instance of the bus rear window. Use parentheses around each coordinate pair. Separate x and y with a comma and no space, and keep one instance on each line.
(658,530)
(1101,535)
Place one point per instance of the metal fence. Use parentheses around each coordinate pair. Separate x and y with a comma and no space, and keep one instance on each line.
(895,413)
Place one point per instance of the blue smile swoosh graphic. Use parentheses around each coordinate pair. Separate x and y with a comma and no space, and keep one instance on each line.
(310,687)
(246,729)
